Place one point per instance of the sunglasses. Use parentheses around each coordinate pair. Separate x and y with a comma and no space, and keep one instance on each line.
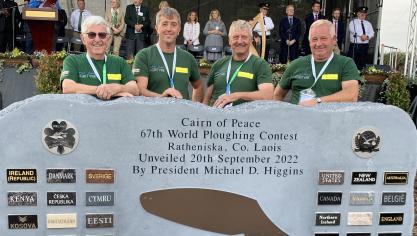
(93,35)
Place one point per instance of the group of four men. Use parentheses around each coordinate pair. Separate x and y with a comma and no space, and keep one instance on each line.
(163,70)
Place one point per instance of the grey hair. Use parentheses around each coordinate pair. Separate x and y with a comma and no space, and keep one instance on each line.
(319,23)
(94,20)
(240,25)
(168,12)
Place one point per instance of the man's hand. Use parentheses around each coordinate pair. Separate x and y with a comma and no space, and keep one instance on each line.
(223,100)
(107,91)
(364,37)
(138,27)
(171,92)
(308,103)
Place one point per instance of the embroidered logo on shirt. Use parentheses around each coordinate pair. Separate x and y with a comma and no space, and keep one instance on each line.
(64,73)
(330,77)
(135,70)
(114,76)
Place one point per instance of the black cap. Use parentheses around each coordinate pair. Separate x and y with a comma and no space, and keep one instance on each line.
(362,9)
(264,5)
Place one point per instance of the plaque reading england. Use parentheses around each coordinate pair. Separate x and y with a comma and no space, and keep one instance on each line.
(99,220)
(99,176)
(329,198)
(396,178)
(394,198)
(21,176)
(61,221)
(22,198)
(364,177)
(23,221)
(99,198)
(61,176)
(362,198)
(391,218)
(329,219)
(360,218)
(62,198)
(331,177)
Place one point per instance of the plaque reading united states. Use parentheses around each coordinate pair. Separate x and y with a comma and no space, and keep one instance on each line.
(166,167)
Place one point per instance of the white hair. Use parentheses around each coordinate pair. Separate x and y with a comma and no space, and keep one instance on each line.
(319,23)
(240,25)
(94,20)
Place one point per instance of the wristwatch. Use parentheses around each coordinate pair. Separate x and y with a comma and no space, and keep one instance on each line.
(318,100)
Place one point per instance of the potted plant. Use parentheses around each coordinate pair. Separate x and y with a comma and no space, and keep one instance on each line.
(277,72)
(204,67)
(14,58)
(394,92)
(49,72)
(374,76)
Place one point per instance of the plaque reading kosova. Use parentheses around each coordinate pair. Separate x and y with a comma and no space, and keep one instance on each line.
(260,168)
(18,222)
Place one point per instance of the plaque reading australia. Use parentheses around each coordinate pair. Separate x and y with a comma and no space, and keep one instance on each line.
(61,176)
(21,176)
(396,178)
(22,198)
(60,137)
(99,176)
(331,177)
(23,221)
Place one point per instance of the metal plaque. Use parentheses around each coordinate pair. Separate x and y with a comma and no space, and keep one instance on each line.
(99,198)
(394,198)
(23,221)
(326,234)
(360,218)
(331,177)
(61,198)
(60,137)
(99,176)
(327,219)
(61,221)
(358,234)
(99,220)
(61,176)
(21,176)
(22,198)
(389,234)
(362,198)
(391,218)
(329,198)
(396,178)
(364,177)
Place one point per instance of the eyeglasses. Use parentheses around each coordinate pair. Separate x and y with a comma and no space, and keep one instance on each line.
(93,35)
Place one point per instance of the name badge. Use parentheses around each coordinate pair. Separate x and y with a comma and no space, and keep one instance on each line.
(114,76)
(140,13)
(245,75)
(330,76)
(182,70)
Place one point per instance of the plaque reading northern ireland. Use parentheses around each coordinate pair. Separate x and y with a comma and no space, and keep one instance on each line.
(327,219)
(99,176)
(61,198)
(396,177)
(21,176)
(364,177)
(23,222)
(61,176)
(391,218)
(22,198)
(99,220)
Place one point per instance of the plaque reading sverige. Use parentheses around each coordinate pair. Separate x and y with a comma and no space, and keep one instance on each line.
(181,168)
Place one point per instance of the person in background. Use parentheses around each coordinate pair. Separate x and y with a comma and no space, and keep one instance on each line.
(11,25)
(115,17)
(339,28)
(163,4)
(214,30)
(60,27)
(77,18)
(94,72)
(361,32)
(309,20)
(290,33)
(268,27)
(191,29)
(137,27)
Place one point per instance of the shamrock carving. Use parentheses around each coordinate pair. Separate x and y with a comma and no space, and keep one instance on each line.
(59,136)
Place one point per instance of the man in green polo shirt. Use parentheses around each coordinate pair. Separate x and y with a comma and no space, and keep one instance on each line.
(162,70)
(94,72)
(322,76)
(241,77)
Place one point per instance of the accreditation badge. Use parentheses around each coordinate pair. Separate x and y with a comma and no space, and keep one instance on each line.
(307,94)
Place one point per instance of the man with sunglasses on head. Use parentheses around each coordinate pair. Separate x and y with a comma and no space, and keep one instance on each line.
(163,70)
(94,72)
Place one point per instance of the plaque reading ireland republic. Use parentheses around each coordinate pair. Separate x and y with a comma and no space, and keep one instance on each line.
(21,176)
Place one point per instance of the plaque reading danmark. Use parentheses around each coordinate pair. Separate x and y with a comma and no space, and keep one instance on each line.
(23,221)
(362,198)
(61,176)
(331,177)
(396,177)
(391,218)
(61,221)
(61,198)
(21,176)
(99,220)
(22,198)
(364,177)
(329,198)
(360,218)
(393,198)
(99,198)
(99,176)
(327,219)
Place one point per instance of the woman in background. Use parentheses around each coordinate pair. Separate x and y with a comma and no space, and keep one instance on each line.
(215,30)
(115,17)
(191,29)
(163,4)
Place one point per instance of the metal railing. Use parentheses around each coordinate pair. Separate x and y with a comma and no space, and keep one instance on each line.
(392,53)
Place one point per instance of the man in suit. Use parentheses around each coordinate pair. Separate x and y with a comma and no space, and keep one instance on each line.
(3,14)
(339,27)
(137,26)
(77,18)
(309,20)
(289,32)
(11,24)
(115,16)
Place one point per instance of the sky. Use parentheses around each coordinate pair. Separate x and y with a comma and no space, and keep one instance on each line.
(394,23)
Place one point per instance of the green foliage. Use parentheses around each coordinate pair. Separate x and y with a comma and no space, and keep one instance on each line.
(396,92)
(204,64)
(25,67)
(49,72)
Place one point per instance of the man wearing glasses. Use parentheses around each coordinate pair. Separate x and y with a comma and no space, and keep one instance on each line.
(94,72)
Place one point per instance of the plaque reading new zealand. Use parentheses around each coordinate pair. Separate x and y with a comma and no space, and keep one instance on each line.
(99,176)
(327,219)
(61,176)
(396,177)
(391,218)
(329,198)
(331,177)
(21,176)
(22,198)
(364,177)
(365,142)
(61,198)
(23,222)
(60,137)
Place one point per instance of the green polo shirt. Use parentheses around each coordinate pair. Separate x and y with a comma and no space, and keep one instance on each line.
(148,63)
(299,76)
(254,72)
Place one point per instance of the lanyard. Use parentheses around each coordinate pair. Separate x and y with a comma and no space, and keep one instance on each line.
(229,80)
(174,64)
(104,80)
(313,68)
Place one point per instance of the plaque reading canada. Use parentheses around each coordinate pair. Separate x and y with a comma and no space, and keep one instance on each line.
(260,168)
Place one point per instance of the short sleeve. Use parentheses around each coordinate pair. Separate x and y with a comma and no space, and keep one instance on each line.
(69,69)
(140,66)
(194,71)
(127,75)
(350,71)
(285,82)
(264,74)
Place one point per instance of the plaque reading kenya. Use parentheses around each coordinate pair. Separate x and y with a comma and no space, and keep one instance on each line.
(260,168)
(22,198)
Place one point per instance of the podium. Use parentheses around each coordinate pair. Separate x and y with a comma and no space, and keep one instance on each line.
(41,22)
